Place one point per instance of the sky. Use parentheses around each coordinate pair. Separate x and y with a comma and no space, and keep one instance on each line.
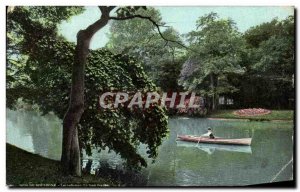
(183,19)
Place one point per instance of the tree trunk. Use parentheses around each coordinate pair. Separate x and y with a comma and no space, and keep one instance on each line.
(212,87)
(70,158)
(216,94)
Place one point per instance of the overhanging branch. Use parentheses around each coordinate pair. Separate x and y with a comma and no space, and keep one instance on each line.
(155,24)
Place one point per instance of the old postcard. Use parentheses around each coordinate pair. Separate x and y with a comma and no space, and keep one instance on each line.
(150,96)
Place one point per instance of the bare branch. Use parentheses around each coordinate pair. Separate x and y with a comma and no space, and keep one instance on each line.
(155,24)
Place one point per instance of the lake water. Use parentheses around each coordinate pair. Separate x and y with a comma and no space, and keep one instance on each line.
(179,163)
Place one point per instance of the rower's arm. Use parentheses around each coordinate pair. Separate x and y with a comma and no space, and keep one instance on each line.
(205,135)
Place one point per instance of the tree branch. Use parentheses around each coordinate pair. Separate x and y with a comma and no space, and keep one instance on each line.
(106,8)
(155,24)
(93,28)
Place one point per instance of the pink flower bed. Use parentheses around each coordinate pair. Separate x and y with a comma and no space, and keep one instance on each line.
(252,112)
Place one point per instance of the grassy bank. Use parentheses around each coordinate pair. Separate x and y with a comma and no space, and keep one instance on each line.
(274,115)
(27,169)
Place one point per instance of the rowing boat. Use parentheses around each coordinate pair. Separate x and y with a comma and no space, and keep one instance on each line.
(211,148)
(217,140)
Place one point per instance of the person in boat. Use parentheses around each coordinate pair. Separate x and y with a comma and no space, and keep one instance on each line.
(209,134)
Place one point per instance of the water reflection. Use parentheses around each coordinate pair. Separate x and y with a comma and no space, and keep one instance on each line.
(178,164)
(211,148)
(40,135)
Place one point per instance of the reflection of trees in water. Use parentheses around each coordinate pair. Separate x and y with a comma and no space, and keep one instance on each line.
(55,131)
(40,134)
(119,174)
(45,131)
(87,166)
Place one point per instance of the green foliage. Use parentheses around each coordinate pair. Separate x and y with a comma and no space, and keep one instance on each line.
(270,64)
(129,10)
(27,27)
(277,49)
(169,72)
(120,129)
(47,69)
(263,32)
(126,34)
(217,48)
(36,21)
(139,38)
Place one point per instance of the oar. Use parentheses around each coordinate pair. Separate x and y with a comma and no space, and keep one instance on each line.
(198,142)
(199,139)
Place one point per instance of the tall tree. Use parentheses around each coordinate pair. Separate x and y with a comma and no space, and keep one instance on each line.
(216,46)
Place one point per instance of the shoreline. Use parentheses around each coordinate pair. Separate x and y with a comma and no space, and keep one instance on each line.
(25,169)
(236,119)
(245,119)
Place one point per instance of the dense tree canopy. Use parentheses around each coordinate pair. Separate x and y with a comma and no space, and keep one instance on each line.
(216,52)
(270,64)
(140,38)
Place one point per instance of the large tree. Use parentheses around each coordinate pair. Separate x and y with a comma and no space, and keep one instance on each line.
(47,70)
(215,49)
